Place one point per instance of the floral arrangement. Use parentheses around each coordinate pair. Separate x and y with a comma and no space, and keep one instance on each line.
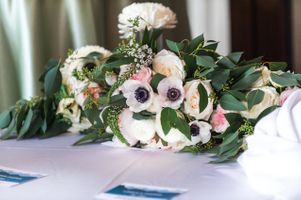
(186,97)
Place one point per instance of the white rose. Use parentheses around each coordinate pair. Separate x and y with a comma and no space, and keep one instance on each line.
(168,64)
(264,79)
(192,98)
(271,98)
(69,109)
(173,136)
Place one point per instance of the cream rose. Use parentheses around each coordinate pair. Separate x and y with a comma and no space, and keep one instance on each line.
(168,64)
(264,79)
(192,98)
(271,98)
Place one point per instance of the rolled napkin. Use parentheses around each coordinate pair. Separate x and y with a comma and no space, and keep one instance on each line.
(272,162)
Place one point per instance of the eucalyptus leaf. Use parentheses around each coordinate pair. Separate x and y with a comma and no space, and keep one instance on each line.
(275,66)
(205,61)
(203,101)
(53,81)
(155,80)
(168,119)
(26,124)
(239,95)
(226,62)
(5,119)
(195,43)
(285,79)
(246,82)
(266,112)
(174,46)
(235,56)
(229,102)
(255,97)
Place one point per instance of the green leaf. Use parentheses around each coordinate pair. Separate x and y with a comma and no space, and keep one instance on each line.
(285,79)
(155,81)
(190,65)
(228,102)
(203,102)
(10,132)
(26,124)
(50,64)
(53,81)
(219,77)
(235,56)
(212,46)
(94,56)
(275,66)
(246,82)
(56,128)
(195,43)
(183,127)
(117,62)
(168,119)
(239,95)
(266,112)
(255,97)
(34,127)
(226,62)
(118,99)
(5,119)
(205,61)
(93,138)
(91,111)
(21,116)
(174,46)
(143,115)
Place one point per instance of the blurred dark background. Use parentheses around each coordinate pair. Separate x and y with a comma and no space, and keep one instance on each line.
(32,31)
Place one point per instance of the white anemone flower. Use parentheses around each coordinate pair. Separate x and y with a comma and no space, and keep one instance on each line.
(76,63)
(200,132)
(151,15)
(171,92)
(139,95)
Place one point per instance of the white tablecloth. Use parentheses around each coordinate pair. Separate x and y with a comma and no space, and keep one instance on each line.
(79,173)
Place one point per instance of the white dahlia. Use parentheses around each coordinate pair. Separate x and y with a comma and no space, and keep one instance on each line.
(151,15)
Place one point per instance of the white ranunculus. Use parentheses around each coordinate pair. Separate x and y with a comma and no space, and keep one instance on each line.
(168,64)
(264,79)
(192,98)
(80,126)
(271,98)
(200,132)
(77,62)
(136,130)
(152,15)
(124,124)
(70,109)
(171,92)
(173,136)
(139,95)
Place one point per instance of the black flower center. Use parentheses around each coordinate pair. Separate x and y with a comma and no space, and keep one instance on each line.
(173,94)
(141,94)
(89,66)
(195,130)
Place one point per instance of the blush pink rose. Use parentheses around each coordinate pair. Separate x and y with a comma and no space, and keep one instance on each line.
(144,74)
(286,93)
(218,121)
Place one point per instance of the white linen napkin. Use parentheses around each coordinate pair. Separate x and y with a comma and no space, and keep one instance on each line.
(272,162)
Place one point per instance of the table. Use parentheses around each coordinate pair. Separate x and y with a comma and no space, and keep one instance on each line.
(80,172)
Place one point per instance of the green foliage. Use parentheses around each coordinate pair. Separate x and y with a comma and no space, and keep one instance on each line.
(155,81)
(285,79)
(170,119)
(229,102)
(254,97)
(203,102)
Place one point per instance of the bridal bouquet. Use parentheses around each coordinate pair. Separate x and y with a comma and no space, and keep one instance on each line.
(186,97)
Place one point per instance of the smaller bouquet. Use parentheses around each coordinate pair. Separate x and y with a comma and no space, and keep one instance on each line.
(186,97)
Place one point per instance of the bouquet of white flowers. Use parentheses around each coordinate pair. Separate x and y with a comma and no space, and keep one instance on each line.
(186,98)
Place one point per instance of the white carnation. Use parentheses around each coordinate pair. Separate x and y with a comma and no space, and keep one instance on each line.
(151,15)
